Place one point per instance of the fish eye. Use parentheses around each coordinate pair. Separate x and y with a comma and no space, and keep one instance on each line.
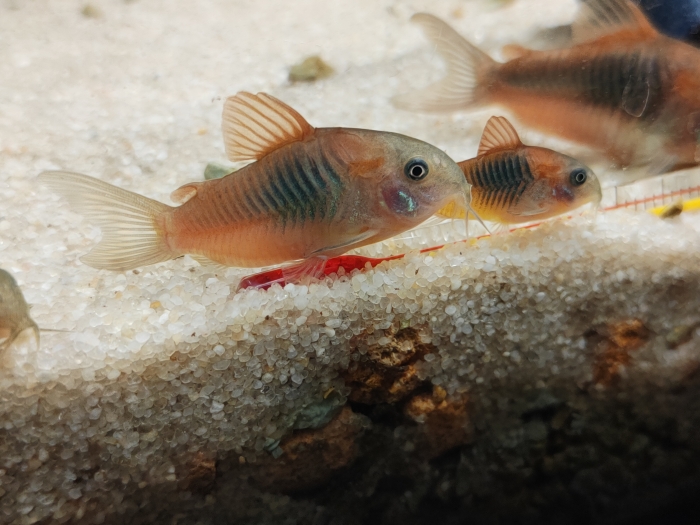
(416,169)
(578,177)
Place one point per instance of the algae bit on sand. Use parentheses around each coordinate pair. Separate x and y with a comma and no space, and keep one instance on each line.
(310,69)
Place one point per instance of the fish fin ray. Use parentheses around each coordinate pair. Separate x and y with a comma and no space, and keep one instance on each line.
(255,125)
(597,18)
(499,134)
(130,234)
(185,193)
(208,263)
(451,211)
(465,65)
(349,244)
(312,267)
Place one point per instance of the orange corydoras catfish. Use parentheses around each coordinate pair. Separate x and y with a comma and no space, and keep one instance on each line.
(514,183)
(311,194)
(622,88)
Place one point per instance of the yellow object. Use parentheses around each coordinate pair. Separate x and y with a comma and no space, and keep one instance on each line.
(686,206)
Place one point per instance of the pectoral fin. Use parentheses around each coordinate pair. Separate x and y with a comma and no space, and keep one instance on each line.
(354,242)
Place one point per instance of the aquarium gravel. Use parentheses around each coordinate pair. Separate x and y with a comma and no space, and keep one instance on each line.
(167,362)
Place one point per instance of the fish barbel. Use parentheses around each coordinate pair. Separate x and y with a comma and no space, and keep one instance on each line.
(622,88)
(311,194)
(14,312)
(513,183)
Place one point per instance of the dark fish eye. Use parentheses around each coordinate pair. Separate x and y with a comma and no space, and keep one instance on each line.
(578,177)
(416,169)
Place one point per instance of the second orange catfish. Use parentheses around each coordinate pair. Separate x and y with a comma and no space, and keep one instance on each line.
(513,183)
(312,193)
(622,88)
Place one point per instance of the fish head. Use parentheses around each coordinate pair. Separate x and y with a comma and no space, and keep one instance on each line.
(570,183)
(419,180)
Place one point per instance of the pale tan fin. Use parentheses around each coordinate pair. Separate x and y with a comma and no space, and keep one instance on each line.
(465,65)
(130,234)
(451,211)
(499,134)
(513,51)
(208,263)
(354,242)
(255,125)
(597,18)
(312,267)
(185,193)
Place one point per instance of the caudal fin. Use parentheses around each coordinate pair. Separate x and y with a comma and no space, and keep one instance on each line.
(466,64)
(131,236)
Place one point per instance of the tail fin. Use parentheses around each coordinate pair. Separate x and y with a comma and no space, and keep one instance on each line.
(465,66)
(131,236)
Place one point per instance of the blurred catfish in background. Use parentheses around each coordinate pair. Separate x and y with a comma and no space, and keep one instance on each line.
(623,88)
(675,18)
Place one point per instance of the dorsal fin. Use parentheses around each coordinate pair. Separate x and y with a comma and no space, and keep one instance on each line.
(499,134)
(255,125)
(185,193)
(597,18)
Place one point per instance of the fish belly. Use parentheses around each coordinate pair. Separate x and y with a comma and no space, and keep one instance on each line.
(621,139)
(257,244)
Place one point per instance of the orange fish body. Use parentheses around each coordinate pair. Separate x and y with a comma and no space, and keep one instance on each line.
(622,88)
(312,193)
(513,183)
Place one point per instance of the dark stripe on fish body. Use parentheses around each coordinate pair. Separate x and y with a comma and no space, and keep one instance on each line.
(510,176)
(636,83)
(294,196)
(300,179)
(255,193)
(501,178)
(494,185)
(334,184)
(267,196)
(514,168)
(527,177)
(291,205)
(290,179)
(501,175)
(282,199)
(488,183)
(329,170)
(313,177)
